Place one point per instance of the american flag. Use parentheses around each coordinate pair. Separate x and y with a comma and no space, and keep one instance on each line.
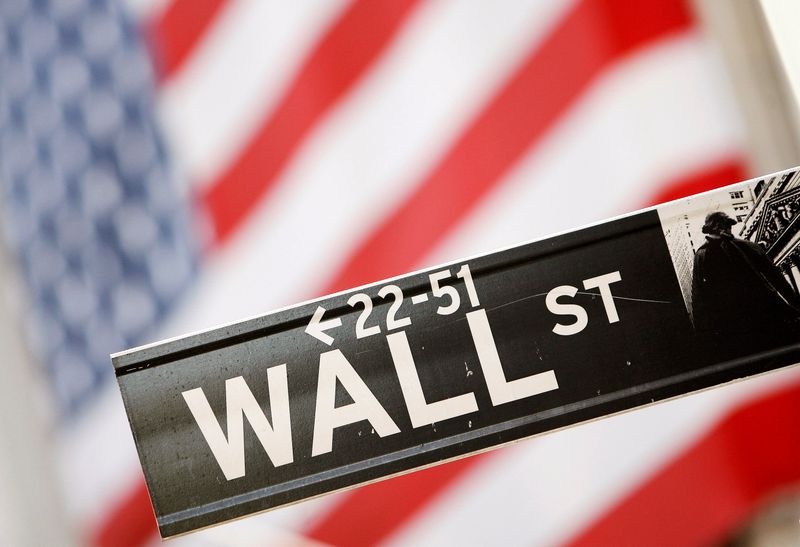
(169,165)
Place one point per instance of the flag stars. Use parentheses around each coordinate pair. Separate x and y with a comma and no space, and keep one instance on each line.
(102,114)
(66,9)
(169,269)
(89,208)
(18,78)
(102,338)
(136,230)
(45,263)
(100,191)
(41,114)
(133,309)
(39,36)
(44,189)
(76,300)
(13,10)
(100,263)
(19,153)
(130,71)
(69,76)
(73,379)
(135,151)
(72,229)
(69,150)
(98,35)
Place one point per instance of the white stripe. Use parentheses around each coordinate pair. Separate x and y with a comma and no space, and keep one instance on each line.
(545,490)
(652,119)
(214,104)
(368,154)
(97,459)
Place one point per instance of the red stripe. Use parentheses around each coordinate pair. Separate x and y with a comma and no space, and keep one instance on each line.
(703,495)
(129,524)
(595,34)
(369,518)
(726,172)
(176,31)
(342,56)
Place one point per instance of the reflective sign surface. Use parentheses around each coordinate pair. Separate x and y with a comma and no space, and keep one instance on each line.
(459,358)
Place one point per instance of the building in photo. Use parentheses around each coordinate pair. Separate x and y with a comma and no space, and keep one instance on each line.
(772,222)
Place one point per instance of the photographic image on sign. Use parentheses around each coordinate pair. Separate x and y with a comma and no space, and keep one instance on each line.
(441,363)
(736,254)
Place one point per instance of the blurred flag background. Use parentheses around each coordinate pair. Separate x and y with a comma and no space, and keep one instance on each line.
(170,165)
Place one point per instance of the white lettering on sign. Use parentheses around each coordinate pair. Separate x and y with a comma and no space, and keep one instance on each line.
(229,452)
(601,282)
(440,291)
(334,366)
(317,326)
(581,319)
(392,322)
(502,391)
(363,331)
(420,411)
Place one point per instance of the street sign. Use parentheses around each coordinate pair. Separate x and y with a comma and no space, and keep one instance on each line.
(445,362)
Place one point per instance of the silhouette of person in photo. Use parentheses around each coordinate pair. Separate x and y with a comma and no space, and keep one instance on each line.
(741,301)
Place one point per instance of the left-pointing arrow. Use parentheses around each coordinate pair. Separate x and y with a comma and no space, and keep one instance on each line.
(317,327)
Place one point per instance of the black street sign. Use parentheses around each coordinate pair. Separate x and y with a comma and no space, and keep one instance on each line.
(442,363)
